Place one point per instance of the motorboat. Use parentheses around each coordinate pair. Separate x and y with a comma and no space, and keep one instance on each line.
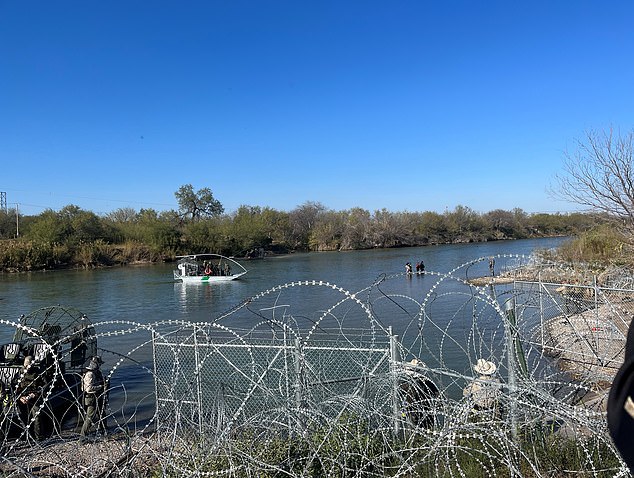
(207,268)
(61,341)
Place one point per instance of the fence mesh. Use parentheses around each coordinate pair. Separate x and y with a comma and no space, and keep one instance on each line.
(210,380)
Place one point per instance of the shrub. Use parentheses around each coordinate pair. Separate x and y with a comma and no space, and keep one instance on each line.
(603,244)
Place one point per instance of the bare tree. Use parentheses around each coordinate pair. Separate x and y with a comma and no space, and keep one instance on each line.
(600,175)
(123,214)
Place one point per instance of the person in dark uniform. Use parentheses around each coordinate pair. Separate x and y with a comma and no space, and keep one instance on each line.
(418,394)
(28,388)
(620,406)
(94,389)
(5,398)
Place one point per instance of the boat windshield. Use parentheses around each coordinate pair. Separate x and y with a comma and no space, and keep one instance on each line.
(68,330)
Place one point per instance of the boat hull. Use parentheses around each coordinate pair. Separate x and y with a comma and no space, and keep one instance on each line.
(207,269)
(206,279)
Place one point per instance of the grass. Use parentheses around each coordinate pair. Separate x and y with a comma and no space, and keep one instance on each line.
(349,448)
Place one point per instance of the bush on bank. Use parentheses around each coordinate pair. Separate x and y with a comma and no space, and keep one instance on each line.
(599,247)
(76,238)
(24,255)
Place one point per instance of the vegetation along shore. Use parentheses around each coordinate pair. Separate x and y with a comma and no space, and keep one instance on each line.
(596,176)
(76,238)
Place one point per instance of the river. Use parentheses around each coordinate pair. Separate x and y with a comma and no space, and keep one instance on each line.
(147,294)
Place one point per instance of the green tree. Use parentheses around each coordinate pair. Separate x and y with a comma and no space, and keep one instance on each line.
(208,236)
(86,226)
(433,227)
(8,224)
(464,223)
(158,233)
(278,228)
(327,233)
(196,205)
(520,223)
(50,227)
(249,228)
(357,230)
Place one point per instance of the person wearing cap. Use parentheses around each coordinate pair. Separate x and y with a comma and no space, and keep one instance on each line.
(28,391)
(93,387)
(484,390)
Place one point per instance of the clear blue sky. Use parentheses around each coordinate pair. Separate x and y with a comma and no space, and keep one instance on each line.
(404,105)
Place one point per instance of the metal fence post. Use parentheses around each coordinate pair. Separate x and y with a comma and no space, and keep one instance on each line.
(541,307)
(198,387)
(516,361)
(298,373)
(394,359)
(596,299)
(156,389)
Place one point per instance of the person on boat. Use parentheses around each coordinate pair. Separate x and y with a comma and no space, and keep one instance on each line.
(28,388)
(408,268)
(227,269)
(422,267)
(5,401)
(208,270)
(492,266)
(94,388)
(484,391)
(5,395)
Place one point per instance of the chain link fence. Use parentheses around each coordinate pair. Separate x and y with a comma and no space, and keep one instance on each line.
(582,328)
(209,379)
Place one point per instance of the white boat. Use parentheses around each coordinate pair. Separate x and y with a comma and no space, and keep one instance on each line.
(202,268)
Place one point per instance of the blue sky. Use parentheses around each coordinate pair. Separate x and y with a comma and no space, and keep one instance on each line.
(404,105)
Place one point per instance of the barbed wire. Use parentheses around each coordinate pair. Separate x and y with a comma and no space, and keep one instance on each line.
(464,373)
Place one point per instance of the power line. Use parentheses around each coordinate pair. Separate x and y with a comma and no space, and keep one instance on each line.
(89,198)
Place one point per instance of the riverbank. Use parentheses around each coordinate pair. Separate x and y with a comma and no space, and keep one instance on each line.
(114,455)
(30,256)
(585,317)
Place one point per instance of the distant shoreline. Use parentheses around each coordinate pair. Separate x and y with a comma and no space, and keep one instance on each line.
(150,259)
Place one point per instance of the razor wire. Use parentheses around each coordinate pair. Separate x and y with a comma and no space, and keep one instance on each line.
(451,374)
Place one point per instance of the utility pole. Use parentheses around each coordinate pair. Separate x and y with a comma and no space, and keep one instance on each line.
(17,220)
(3,201)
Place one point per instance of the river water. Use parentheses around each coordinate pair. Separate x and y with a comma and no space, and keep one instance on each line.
(148,294)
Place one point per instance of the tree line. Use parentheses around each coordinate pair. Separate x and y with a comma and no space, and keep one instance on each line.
(73,237)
